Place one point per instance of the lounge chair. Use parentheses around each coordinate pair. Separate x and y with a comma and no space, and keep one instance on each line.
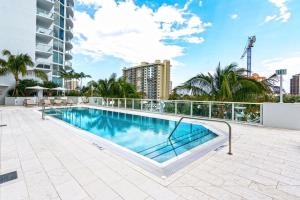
(29,102)
(57,102)
(46,102)
(69,102)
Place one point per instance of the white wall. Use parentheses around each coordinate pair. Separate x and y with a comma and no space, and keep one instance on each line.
(18,29)
(282,115)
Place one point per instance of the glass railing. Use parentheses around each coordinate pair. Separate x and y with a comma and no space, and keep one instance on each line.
(44,48)
(68,63)
(40,60)
(44,13)
(44,31)
(230,111)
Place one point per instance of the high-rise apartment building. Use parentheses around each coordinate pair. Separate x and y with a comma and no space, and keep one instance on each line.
(40,28)
(295,85)
(71,84)
(152,79)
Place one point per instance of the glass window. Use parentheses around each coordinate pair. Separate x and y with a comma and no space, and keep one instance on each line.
(56,32)
(62,10)
(60,58)
(55,70)
(62,2)
(56,19)
(55,44)
(61,46)
(56,6)
(61,34)
(55,57)
(61,22)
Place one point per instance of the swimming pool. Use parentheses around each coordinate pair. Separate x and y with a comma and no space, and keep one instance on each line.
(146,136)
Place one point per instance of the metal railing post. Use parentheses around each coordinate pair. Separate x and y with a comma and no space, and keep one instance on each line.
(107,102)
(151,106)
(175,107)
(209,109)
(132,104)
(141,104)
(261,114)
(118,103)
(232,111)
(43,112)
(191,111)
(125,102)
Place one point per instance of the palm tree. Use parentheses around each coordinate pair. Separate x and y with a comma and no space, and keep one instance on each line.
(227,84)
(111,87)
(17,66)
(81,76)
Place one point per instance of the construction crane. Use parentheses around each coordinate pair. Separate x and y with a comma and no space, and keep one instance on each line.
(249,45)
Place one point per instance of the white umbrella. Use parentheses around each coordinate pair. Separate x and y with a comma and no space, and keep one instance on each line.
(39,89)
(59,89)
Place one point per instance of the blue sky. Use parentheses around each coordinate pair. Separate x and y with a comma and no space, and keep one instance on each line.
(195,35)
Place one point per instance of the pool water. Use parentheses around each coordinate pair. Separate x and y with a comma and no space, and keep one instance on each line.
(144,135)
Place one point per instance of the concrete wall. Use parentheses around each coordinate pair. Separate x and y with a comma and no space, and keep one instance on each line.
(282,115)
(18,30)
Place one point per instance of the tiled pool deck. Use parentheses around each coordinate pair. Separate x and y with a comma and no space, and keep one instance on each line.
(55,162)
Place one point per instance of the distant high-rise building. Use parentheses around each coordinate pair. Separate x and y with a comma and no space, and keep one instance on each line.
(152,79)
(71,84)
(295,85)
(43,30)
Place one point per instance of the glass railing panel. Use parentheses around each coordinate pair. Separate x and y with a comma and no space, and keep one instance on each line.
(249,113)
(184,108)
(221,110)
(129,103)
(110,102)
(167,107)
(121,103)
(137,104)
(44,48)
(155,106)
(146,105)
(201,109)
(115,103)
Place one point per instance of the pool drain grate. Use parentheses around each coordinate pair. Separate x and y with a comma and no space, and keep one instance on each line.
(99,147)
(8,177)
(220,147)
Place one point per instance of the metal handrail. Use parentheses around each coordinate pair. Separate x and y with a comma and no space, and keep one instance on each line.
(204,119)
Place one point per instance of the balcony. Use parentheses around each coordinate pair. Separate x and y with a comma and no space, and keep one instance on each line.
(43,50)
(69,34)
(68,55)
(68,64)
(45,4)
(44,13)
(68,45)
(44,31)
(45,67)
(69,9)
(70,3)
(41,60)
(69,21)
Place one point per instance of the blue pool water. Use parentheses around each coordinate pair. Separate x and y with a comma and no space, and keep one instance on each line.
(144,135)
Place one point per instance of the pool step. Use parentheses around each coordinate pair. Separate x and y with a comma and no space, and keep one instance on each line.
(177,145)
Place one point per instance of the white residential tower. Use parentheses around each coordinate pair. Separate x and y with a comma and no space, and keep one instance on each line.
(40,28)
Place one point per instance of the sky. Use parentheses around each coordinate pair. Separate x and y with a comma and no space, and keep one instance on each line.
(194,34)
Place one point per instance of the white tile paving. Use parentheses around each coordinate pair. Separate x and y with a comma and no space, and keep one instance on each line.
(55,163)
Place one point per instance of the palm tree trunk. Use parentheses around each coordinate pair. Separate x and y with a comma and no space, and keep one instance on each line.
(15,92)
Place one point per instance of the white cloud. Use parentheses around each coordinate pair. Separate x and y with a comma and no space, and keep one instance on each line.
(284,13)
(291,63)
(194,40)
(234,16)
(135,33)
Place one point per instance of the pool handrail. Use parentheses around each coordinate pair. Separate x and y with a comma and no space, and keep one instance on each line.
(204,119)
